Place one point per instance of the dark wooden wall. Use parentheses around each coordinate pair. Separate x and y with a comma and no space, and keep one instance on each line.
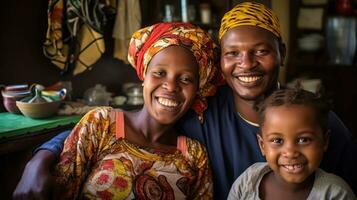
(23,30)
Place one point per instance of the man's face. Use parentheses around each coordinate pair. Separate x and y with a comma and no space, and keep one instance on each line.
(250,61)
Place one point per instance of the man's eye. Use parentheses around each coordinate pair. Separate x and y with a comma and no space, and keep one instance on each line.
(262,52)
(231,53)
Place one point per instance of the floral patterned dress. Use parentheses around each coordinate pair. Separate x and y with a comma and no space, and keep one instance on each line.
(97,162)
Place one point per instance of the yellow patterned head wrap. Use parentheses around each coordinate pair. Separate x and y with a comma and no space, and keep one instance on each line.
(251,14)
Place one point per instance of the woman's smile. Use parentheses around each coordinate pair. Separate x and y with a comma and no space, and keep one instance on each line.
(168,103)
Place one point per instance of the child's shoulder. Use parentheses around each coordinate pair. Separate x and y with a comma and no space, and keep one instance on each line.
(331,186)
(255,172)
(246,186)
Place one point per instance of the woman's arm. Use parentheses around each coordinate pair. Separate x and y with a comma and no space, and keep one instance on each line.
(82,149)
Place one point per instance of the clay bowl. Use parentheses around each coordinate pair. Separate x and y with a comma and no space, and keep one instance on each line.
(10,98)
(38,110)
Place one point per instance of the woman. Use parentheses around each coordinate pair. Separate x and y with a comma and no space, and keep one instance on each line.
(114,154)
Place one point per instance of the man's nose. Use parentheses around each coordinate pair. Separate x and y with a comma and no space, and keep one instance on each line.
(247,60)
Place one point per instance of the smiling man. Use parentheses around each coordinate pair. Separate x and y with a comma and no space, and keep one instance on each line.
(252,52)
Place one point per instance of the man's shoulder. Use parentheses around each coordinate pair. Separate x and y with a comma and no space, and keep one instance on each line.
(221,100)
(223,92)
(339,132)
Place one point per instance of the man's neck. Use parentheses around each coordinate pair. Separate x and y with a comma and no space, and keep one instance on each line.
(246,109)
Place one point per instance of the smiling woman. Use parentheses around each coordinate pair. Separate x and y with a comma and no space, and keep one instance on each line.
(170,84)
(134,153)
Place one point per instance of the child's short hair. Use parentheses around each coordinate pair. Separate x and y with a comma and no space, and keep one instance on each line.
(296,96)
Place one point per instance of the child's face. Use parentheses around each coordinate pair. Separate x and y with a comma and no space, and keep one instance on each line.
(292,142)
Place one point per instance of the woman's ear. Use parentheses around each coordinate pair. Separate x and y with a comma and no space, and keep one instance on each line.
(261,143)
(326,139)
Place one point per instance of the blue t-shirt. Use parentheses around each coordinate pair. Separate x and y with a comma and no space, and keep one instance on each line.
(232,144)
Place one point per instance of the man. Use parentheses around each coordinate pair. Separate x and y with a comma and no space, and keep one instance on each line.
(251,53)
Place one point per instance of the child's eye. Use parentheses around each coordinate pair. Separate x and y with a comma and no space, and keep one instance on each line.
(276,141)
(303,140)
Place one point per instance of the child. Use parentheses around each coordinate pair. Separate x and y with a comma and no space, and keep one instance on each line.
(293,137)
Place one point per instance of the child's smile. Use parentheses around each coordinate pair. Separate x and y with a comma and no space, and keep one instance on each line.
(292,142)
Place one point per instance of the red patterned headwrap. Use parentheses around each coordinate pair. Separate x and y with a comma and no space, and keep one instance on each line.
(147,42)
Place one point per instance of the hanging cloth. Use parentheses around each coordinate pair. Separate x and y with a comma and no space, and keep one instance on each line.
(74,39)
(128,20)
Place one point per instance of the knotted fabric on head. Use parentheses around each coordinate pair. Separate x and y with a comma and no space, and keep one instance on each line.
(251,14)
(147,42)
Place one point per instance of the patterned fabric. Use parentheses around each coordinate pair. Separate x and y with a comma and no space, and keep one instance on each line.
(126,23)
(252,14)
(95,164)
(145,43)
(74,38)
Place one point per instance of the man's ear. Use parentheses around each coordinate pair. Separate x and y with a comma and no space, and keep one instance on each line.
(326,139)
(282,51)
(261,143)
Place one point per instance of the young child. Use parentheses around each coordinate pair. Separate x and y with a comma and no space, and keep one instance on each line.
(293,137)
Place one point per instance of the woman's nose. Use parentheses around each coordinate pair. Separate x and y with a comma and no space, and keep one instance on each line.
(171,85)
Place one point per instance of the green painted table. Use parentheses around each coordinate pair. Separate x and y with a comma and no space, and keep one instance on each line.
(18,132)
(12,125)
(19,136)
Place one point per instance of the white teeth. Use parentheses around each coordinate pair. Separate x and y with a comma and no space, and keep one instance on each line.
(292,167)
(167,102)
(248,79)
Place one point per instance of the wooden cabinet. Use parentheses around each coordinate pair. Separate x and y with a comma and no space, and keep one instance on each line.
(338,79)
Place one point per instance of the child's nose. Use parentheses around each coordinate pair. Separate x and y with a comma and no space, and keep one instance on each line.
(291,150)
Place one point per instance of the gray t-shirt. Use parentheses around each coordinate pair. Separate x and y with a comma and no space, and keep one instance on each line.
(326,185)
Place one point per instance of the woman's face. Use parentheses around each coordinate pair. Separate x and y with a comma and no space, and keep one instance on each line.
(170,84)
(292,142)
(250,61)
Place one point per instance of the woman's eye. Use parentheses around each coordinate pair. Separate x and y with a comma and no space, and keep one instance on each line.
(186,80)
(158,73)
